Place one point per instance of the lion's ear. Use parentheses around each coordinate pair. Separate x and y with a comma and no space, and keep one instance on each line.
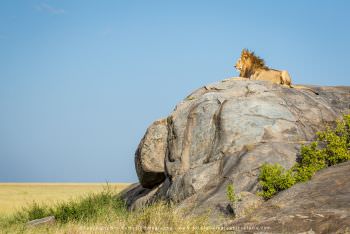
(247,53)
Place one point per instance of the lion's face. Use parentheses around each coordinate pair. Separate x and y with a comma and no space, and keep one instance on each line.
(239,65)
(244,62)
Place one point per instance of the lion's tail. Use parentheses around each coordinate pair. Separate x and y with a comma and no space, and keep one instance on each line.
(304,87)
(286,80)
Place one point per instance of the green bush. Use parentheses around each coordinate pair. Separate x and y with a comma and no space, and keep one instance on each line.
(312,160)
(331,147)
(337,142)
(274,178)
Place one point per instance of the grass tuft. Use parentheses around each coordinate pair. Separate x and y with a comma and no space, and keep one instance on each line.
(82,209)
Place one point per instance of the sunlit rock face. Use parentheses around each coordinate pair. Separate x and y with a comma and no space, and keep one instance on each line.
(223,133)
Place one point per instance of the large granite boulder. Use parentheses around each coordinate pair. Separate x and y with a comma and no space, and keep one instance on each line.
(222,134)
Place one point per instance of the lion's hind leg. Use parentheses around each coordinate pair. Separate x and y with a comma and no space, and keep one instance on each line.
(286,80)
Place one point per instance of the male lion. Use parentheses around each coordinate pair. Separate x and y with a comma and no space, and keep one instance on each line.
(252,67)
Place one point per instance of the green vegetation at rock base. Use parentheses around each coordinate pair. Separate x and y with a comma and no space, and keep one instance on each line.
(231,194)
(331,147)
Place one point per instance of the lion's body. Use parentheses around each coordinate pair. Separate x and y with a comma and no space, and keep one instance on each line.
(252,67)
(275,76)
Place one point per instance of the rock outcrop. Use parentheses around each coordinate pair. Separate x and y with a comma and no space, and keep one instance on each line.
(150,154)
(222,134)
(321,205)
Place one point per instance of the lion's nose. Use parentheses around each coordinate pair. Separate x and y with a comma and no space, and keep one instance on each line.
(235,66)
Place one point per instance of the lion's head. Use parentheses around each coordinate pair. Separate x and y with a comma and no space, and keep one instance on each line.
(248,63)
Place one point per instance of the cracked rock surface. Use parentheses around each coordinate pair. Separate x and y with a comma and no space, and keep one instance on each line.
(223,133)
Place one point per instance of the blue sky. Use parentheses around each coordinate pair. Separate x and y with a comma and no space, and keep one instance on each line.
(80,81)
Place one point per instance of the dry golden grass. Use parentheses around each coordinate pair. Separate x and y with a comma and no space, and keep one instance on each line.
(99,212)
(158,218)
(14,196)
